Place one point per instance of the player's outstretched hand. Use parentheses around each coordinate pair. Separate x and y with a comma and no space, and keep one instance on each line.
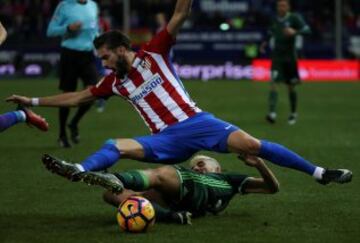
(18,99)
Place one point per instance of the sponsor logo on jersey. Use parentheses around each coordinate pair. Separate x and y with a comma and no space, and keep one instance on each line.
(146,88)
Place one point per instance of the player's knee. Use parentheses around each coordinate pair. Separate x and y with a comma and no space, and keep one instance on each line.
(275,188)
(130,148)
(110,142)
(252,146)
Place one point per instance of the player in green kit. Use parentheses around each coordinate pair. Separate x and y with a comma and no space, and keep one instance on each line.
(177,192)
(283,31)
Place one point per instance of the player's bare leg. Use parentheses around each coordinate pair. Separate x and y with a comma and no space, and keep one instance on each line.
(116,199)
(242,143)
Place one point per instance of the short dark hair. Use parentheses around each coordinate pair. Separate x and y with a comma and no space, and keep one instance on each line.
(112,39)
(287,1)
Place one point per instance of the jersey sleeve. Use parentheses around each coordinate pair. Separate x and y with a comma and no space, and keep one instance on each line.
(103,89)
(237,181)
(300,25)
(161,43)
(57,26)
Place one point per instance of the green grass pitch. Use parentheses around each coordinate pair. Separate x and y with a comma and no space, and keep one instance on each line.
(37,206)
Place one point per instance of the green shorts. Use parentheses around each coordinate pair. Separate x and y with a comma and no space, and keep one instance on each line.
(285,71)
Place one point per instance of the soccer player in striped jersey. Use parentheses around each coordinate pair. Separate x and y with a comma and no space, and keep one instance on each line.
(147,80)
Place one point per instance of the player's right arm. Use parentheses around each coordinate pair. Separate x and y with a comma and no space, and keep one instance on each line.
(57,25)
(61,100)
(266,184)
(182,11)
(3,33)
(103,89)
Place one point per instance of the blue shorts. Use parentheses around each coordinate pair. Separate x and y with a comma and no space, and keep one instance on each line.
(179,142)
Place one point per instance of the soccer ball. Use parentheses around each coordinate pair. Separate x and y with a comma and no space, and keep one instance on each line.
(135,214)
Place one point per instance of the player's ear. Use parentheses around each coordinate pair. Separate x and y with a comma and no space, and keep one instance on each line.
(218,169)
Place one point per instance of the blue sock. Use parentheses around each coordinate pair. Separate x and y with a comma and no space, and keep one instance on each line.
(107,156)
(10,119)
(282,156)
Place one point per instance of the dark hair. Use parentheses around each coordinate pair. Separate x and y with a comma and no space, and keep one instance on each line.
(287,1)
(112,39)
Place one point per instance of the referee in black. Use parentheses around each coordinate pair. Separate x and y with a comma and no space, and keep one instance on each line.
(76,22)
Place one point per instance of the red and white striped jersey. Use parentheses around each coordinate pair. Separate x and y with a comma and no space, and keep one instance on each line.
(152,86)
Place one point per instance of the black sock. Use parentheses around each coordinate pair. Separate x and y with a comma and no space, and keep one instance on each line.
(273,95)
(293,101)
(162,214)
(79,114)
(63,116)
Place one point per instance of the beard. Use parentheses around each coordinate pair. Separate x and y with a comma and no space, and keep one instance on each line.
(121,68)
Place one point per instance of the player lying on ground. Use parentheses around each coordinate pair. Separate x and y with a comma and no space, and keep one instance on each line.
(147,80)
(180,190)
(23,114)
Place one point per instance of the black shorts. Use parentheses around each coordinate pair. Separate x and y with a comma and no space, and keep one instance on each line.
(75,65)
(285,71)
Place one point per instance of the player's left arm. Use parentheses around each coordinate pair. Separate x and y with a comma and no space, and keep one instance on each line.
(299,28)
(182,11)
(266,184)
(3,33)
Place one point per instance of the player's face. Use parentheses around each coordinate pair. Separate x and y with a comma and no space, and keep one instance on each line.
(82,1)
(204,166)
(282,8)
(108,58)
(114,60)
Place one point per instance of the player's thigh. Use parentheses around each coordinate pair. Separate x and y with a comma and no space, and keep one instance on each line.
(241,142)
(165,148)
(277,71)
(291,72)
(130,148)
(164,179)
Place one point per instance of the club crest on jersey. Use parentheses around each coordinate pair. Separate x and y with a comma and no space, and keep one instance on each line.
(146,64)
(146,88)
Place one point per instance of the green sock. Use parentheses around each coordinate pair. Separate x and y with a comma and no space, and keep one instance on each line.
(293,101)
(135,180)
(273,95)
